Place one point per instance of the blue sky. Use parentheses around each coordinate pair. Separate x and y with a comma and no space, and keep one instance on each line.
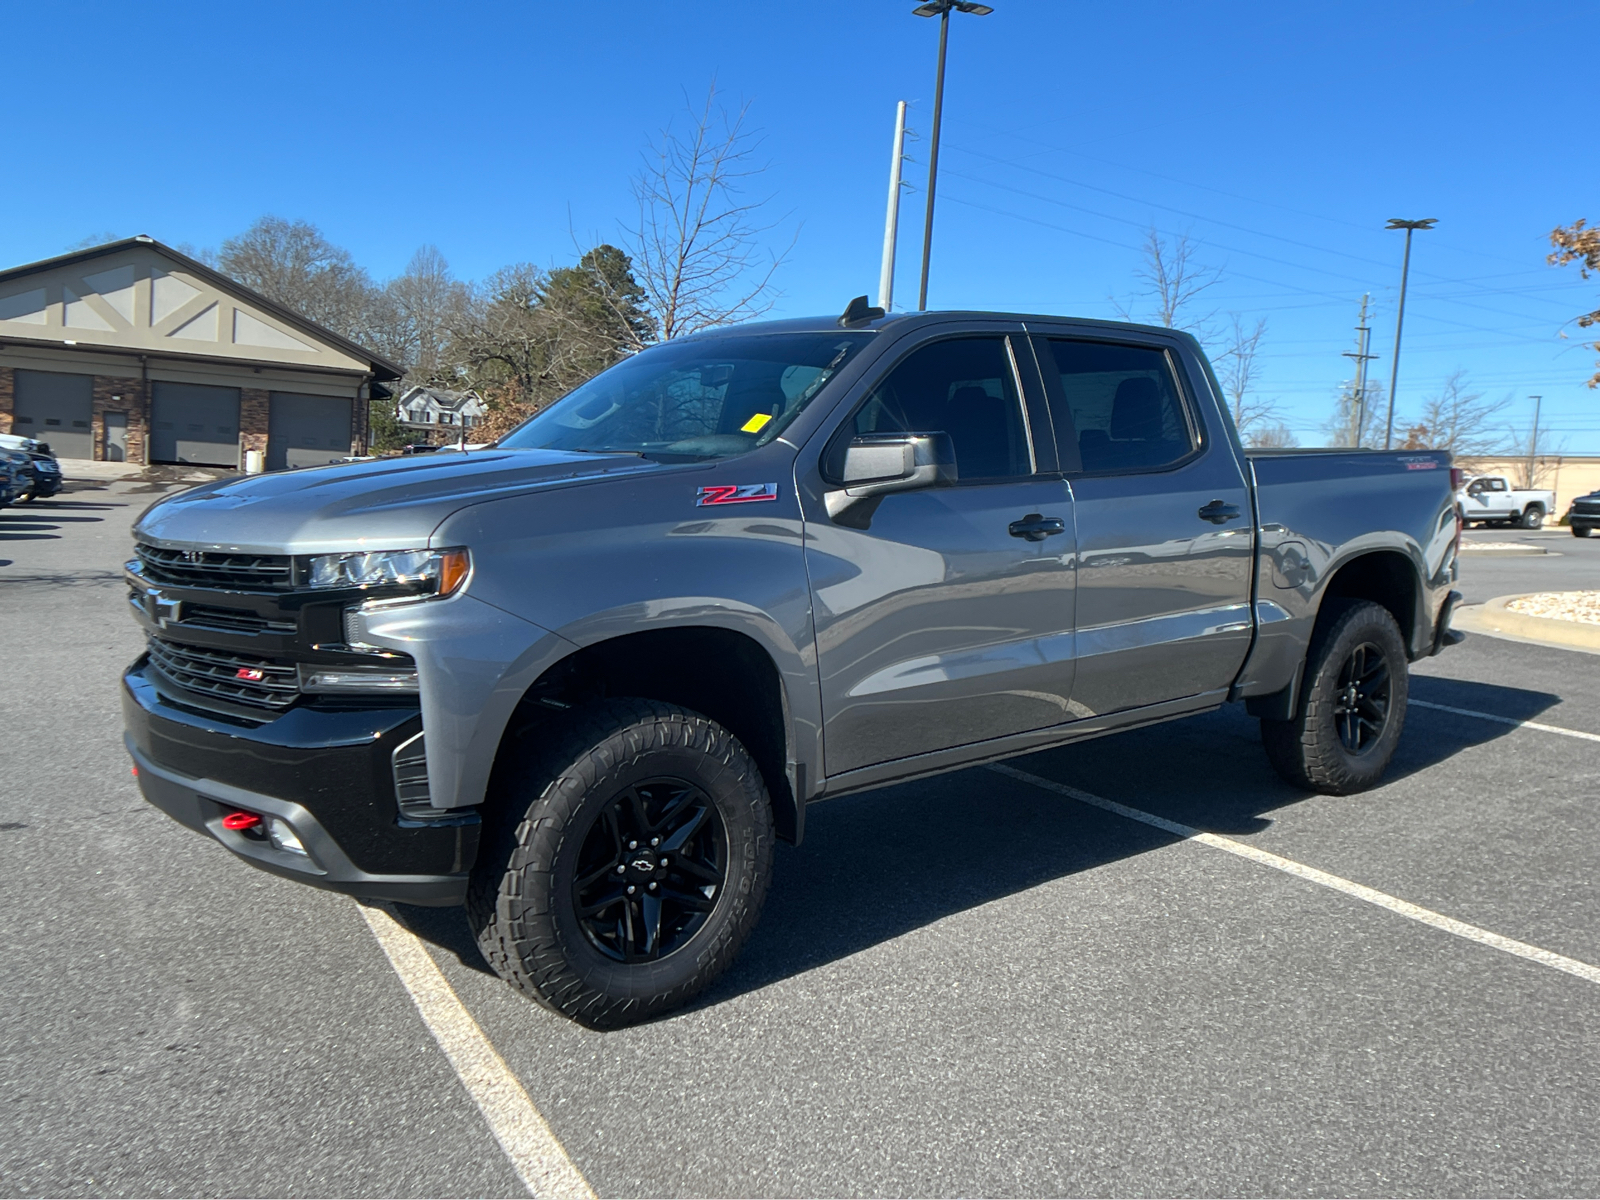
(1278,137)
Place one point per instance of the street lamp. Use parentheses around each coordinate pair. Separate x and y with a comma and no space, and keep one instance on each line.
(940,9)
(1394,367)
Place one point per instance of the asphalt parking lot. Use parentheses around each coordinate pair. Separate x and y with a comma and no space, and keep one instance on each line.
(970,985)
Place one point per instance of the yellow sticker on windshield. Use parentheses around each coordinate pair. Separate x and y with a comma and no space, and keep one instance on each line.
(756,423)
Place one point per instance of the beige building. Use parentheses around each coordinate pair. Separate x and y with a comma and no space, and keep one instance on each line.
(1567,475)
(134,352)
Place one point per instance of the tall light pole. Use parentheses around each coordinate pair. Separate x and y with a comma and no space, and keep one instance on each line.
(891,226)
(940,9)
(1400,317)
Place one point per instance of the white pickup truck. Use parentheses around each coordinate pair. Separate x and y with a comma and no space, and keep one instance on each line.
(1492,498)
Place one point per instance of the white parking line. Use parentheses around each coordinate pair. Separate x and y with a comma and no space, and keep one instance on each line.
(1405,908)
(535,1154)
(1483,716)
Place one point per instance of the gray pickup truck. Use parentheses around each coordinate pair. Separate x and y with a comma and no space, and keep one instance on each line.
(579,681)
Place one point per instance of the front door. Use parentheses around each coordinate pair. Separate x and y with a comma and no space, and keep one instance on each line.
(945,616)
(1487,499)
(1164,526)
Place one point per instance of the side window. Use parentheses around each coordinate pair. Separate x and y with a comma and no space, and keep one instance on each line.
(964,387)
(1123,405)
(1497,485)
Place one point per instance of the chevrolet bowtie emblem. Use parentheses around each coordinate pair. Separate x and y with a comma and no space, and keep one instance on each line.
(162,609)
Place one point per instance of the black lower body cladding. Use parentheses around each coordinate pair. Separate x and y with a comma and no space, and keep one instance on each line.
(327,773)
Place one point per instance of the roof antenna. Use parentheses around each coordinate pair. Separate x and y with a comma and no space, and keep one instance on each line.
(857,311)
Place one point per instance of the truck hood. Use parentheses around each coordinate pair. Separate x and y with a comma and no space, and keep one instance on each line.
(387,504)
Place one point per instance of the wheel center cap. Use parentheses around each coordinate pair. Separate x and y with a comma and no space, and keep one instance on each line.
(642,864)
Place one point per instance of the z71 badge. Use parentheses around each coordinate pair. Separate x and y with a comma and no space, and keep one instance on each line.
(736,493)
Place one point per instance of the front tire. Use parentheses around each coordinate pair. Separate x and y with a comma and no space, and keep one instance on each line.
(1580,530)
(1352,705)
(629,865)
(1532,517)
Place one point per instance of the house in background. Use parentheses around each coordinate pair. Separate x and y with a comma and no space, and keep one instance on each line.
(133,352)
(437,411)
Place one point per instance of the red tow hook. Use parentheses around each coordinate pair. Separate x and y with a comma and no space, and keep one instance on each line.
(240,820)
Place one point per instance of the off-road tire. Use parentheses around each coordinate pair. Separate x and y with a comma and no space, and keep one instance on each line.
(1307,750)
(1532,517)
(546,799)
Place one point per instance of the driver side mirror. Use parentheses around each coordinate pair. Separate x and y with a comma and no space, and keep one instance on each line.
(876,464)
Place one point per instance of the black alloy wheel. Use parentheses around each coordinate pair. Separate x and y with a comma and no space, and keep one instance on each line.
(1361,701)
(625,856)
(1351,709)
(650,871)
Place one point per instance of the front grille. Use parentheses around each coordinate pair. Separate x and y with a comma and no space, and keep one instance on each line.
(1589,508)
(213,569)
(231,620)
(226,676)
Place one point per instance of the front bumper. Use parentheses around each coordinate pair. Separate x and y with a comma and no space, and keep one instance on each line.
(327,773)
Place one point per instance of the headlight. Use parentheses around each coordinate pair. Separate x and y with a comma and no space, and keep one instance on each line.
(440,572)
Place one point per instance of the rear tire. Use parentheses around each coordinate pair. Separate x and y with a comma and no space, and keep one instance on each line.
(1352,704)
(1532,517)
(572,902)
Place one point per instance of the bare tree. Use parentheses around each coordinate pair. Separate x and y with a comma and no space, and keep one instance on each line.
(1238,372)
(93,239)
(292,263)
(697,245)
(1173,283)
(1357,421)
(417,314)
(1456,420)
(1580,244)
(1274,436)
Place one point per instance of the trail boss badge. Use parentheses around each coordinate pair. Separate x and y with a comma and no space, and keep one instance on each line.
(735,493)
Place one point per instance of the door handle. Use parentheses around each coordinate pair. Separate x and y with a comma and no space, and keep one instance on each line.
(1036,528)
(1218,512)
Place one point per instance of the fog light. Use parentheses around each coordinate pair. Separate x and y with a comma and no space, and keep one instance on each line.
(284,838)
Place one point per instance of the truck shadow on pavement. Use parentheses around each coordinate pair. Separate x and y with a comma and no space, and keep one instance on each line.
(881,864)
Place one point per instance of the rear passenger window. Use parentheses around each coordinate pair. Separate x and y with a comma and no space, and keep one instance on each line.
(964,387)
(1122,406)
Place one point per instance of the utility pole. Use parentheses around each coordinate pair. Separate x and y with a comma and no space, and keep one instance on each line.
(1363,338)
(1533,439)
(891,226)
(1399,321)
(940,9)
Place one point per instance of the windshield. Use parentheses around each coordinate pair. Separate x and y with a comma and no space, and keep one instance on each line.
(697,399)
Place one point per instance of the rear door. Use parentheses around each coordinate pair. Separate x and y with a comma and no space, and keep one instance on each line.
(939,620)
(194,423)
(1164,523)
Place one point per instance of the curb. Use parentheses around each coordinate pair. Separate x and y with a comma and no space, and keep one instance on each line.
(1496,620)
(1466,551)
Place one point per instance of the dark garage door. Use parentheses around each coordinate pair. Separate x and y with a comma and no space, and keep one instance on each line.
(56,409)
(190,423)
(307,431)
